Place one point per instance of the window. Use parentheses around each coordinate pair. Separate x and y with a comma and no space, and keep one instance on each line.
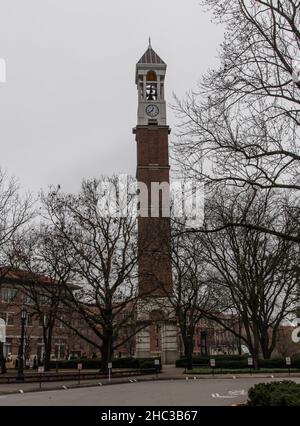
(27,299)
(8,317)
(7,347)
(8,294)
(29,320)
(59,349)
(44,299)
(42,320)
(60,323)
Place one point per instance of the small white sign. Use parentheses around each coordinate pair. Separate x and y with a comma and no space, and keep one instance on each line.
(156,362)
(288,360)
(109,365)
(41,369)
(79,366)
(250,362)
(212,362)
(2,331)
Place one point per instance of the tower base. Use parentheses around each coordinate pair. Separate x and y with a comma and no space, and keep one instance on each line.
(159,337)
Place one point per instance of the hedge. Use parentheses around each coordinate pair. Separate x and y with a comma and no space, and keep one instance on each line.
(238,362)
(285,393)
(95,363)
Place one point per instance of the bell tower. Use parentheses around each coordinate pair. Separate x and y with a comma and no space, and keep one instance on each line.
(159,337)
(150,80)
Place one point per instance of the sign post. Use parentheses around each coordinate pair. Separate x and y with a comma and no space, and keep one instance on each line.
(41,370)
(79,368)
(288,362)
(109,371)
(156,363)
(2,341)
(250,363)
(212,362)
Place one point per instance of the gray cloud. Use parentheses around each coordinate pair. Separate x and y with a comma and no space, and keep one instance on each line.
(69,104)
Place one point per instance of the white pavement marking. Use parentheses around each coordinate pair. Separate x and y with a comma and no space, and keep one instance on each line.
(217,395)
(237,392)
(231,394)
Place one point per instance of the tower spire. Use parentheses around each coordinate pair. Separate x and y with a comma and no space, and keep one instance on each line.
(150,47)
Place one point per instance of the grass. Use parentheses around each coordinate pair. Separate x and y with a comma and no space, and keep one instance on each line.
(241,371)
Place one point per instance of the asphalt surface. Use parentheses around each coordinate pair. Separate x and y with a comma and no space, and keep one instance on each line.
(199,392)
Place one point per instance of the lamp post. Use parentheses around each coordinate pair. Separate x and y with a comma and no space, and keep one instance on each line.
(20,374)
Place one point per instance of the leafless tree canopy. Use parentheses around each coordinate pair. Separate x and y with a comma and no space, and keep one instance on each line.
(101,251)
(15,212)
(193,294)
(256,273)
(242,125)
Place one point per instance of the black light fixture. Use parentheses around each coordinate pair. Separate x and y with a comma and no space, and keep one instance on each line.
(20,373)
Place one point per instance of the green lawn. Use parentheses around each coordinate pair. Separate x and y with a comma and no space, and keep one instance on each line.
(241,371)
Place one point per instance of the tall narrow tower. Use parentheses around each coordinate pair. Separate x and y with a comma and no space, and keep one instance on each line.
(155,271)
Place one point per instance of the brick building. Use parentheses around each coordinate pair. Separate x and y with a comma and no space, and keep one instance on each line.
(17,293)
(209,338)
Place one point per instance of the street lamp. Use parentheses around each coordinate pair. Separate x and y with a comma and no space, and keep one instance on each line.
(20,374)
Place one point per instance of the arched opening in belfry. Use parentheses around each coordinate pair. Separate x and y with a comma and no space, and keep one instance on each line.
(151,76)
(151,86)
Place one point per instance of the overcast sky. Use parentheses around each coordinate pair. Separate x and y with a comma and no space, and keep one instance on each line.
(69,104)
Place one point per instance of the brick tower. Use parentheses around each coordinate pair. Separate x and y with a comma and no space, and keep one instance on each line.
(155,270)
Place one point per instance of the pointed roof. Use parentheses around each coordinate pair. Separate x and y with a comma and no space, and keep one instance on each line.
(151,57)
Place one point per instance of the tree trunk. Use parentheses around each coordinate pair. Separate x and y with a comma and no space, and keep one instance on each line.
(255,351)
(2,359)
(48,348)
(47,357)
(188,351)
(106,350)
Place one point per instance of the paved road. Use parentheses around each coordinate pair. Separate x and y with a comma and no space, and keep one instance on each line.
(157,393)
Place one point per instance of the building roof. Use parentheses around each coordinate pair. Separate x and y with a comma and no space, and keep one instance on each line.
(151,57)
(18,275)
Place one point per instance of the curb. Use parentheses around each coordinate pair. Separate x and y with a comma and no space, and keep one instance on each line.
(133,380)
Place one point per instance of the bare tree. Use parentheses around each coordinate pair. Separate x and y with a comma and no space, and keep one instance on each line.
(100,245)
(44,280)
(242,125)
(254,271)
(15,212)
(192,293)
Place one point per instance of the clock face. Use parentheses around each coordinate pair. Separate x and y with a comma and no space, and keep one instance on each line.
(152,110)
